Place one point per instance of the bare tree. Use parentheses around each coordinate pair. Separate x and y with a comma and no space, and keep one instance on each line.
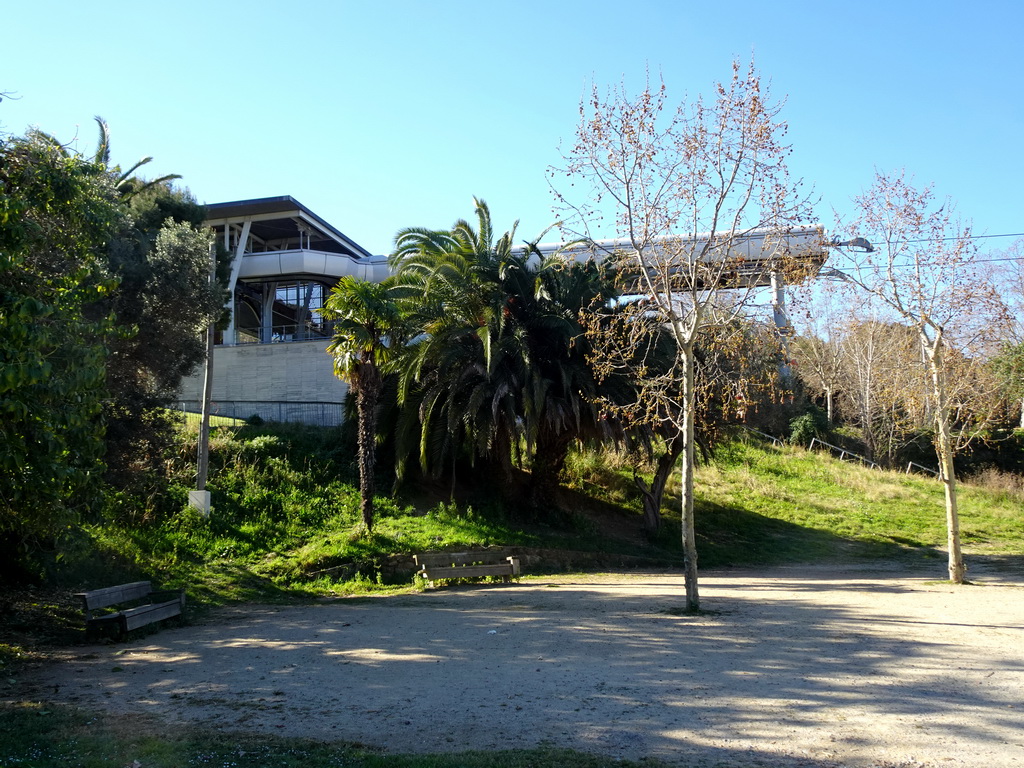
(925,270)
(817,349)
(883,385)
(663,174)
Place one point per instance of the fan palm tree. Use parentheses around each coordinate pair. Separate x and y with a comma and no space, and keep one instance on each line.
(501,357)
(366,331)
(459,377)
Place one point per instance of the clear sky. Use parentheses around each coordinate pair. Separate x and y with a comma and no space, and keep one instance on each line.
(381,115)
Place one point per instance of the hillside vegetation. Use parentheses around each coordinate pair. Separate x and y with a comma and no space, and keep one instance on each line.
(285,519)
(286,525)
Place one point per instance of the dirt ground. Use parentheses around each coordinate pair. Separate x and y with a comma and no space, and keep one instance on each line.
(796,666)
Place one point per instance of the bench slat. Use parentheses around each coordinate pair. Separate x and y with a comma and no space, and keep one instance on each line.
(123,593)
(431,559)
(469,571)
(147,614)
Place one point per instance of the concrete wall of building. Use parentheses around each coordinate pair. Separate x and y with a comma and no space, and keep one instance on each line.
(294,372)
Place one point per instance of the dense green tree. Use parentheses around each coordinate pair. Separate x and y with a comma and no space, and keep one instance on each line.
(57,213)
(164,301)
(105,283)
(160,259)
(367,330)
(500,359)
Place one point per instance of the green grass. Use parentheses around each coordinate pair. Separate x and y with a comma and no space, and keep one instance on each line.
(37,736)
(762,504)
(285,523)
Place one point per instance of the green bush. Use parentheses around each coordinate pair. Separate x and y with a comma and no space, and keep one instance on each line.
(812,424)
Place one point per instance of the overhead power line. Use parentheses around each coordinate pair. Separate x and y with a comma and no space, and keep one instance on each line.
(969,237)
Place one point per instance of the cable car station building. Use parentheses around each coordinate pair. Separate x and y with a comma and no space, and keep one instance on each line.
(271,360)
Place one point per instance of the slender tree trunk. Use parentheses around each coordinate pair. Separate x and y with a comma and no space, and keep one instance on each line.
(828,403)
(688,466)
(944,451)
(957,569)
(369,383)
(655,492)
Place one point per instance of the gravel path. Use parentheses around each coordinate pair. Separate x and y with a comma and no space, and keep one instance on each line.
(794,666)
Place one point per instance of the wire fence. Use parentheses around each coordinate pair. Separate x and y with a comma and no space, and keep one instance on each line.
(312,413)
(844,455)
(764,436)
(922,468)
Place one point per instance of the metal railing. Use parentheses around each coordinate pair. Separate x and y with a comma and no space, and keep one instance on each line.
(278,334)
(319,414)
(922,468)
(774,440)
(843,453)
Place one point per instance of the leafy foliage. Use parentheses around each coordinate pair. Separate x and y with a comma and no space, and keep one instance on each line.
(105,284)
(56,213)
(164,300)
(812,424)
(498,356)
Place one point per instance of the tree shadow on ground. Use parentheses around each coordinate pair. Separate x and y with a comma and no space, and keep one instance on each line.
(733,535)
(785,671)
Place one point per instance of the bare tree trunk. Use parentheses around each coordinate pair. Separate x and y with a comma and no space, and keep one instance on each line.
(957,570)
(369,386)
(944,451)
(828,403)
(655,492)
(689,463)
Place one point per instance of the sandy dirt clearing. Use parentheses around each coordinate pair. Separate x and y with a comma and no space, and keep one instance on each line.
(797,666)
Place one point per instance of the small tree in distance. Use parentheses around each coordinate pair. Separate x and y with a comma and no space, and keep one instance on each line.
(924,269)
(663,174)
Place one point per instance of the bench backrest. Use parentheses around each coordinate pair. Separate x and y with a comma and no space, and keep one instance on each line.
(123,593)
(444,559)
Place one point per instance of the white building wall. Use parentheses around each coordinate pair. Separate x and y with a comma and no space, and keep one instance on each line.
(299,372)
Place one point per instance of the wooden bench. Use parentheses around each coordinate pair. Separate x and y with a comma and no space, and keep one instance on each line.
(466,565)
(143,606)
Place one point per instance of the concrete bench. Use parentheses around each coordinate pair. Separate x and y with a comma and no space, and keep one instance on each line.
(466,565)
(142,606)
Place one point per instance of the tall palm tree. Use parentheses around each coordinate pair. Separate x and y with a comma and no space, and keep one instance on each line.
(125,181)
(501,357)
(366,333)
(459,379)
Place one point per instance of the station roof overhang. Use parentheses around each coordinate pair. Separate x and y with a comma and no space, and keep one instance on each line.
(277,219)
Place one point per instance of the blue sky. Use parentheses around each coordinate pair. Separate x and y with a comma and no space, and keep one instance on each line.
(392,114)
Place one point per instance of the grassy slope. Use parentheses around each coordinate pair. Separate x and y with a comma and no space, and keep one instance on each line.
(764,504)
(286,519)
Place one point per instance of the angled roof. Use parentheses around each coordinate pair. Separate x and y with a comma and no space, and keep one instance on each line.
(275,218)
